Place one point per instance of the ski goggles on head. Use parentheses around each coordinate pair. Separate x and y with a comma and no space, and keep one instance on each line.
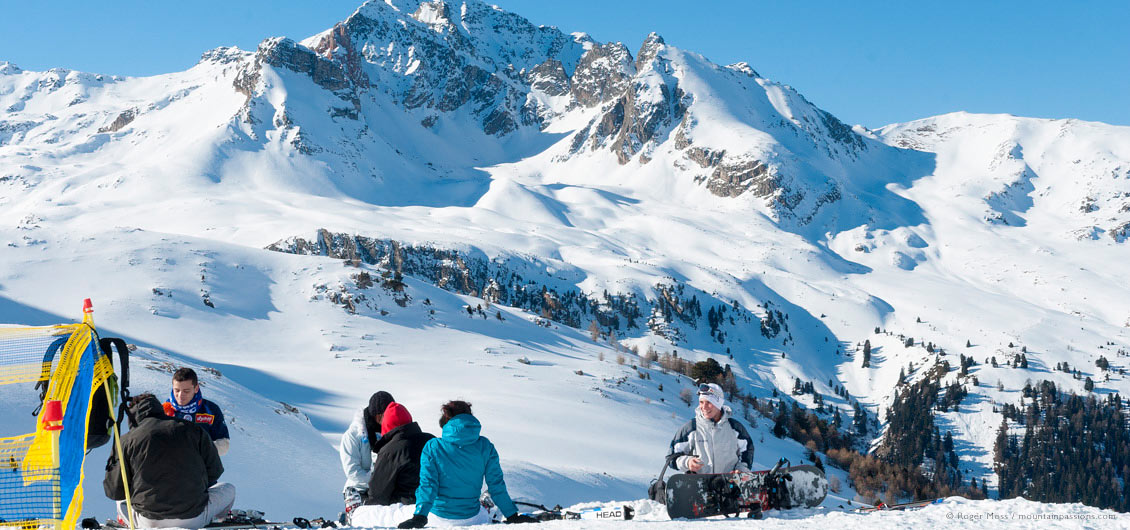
(711,393)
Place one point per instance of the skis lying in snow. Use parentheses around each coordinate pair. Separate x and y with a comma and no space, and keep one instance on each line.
(541,513)
(113,524)
(237,520)
(902,506)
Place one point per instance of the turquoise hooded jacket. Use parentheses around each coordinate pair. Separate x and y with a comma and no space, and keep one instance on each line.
(452,471)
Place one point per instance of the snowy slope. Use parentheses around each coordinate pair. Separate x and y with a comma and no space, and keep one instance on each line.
(581,166)
(263,432)
(276,331)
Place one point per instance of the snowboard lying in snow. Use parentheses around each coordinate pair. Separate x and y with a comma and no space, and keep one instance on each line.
(693,496)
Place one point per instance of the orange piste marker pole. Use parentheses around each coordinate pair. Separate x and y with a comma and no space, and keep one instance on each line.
(53,423)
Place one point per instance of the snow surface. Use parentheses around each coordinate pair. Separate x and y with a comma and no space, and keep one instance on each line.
(955,512)
(987,228)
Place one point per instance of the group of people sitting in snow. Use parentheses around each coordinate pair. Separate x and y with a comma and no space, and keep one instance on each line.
(399,475)
(396,474)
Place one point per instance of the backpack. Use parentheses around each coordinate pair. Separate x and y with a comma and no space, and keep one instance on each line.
(657,491)
(100,423)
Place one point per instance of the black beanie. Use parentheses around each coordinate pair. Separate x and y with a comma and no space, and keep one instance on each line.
(378,402)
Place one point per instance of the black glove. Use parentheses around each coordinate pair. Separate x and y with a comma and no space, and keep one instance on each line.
(520,518)
(417,521)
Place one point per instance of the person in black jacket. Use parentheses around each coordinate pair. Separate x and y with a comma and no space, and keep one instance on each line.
(396,472)
(172,468)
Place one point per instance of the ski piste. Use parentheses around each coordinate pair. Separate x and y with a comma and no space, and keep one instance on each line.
(694,496)
(900,506)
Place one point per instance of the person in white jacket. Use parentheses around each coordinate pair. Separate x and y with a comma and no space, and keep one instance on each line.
(356,449)
(712,442)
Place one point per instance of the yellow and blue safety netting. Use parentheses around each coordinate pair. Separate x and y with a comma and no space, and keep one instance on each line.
(41,478)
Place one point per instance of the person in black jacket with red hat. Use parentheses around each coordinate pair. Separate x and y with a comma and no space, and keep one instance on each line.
(396,472)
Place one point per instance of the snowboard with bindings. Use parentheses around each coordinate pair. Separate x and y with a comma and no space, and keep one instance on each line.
(694,496)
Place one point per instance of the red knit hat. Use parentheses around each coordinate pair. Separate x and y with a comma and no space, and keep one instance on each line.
(395,416)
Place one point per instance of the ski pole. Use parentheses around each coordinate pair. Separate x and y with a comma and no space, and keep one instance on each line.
(849,500)
(121,458)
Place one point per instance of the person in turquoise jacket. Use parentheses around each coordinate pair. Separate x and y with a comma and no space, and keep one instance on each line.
(452,470)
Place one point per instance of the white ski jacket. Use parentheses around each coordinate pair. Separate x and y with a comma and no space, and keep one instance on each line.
(722,447)
(356,454)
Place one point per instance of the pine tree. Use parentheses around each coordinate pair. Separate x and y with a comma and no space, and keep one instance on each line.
(867,353)
(779,424)
(860,420)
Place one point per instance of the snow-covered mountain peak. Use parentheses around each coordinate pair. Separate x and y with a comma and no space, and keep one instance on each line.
(8,67)
(224,55)
(1026,170)
(744,68)
(650,47)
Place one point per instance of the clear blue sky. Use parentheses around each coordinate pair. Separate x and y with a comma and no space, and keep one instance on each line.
(871,63)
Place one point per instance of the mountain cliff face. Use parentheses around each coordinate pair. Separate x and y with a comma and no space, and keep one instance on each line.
(469,69)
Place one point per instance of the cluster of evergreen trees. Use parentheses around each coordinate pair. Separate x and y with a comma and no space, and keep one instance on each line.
(501,281)
(1073,449)
(808,428)
(912,439)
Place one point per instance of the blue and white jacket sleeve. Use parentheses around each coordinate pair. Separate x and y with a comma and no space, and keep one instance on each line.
(682,444)
(745,455)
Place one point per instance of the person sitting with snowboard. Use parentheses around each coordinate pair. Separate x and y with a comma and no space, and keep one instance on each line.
(713,441)
(186,402)
(452,470)
(172,467)
(358,444)
(396,473)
